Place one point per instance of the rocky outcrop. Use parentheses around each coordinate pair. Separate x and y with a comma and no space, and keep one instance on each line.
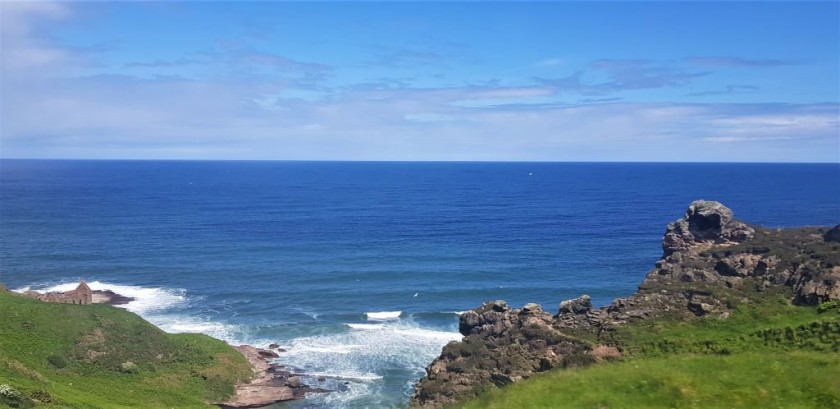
(109,297)
(833,235)
(705,223)
(501,345)
(732,255)
(711,263)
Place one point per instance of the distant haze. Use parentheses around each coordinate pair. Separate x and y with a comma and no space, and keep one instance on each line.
(466,81)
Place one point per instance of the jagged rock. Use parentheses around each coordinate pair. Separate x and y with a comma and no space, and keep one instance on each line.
(580,305)
(492,318)
(705,222)
(501,346)
(532,309)
(833,234)
(816,290)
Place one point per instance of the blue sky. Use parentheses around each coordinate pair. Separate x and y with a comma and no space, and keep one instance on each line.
(530,81)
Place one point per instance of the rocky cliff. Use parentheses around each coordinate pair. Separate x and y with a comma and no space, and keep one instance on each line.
(711,263)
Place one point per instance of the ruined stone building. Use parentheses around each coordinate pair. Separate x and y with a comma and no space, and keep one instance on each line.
(81,295)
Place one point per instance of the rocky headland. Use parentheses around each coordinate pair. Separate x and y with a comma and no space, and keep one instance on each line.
(712,263)
(271,382)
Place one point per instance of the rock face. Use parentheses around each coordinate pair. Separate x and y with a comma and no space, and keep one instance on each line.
(501,345)
(704,223)
(711,263)
(833,235)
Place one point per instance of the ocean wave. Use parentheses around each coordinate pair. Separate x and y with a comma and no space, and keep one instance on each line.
(146,299)
(383,315)
(345,375)
(366,326)
(372,349)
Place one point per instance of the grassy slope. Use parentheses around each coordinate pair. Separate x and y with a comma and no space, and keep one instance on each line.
(77,356)
(766,355)
(747,380)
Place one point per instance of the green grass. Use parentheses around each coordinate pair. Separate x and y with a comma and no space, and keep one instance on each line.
(98,356)
(770,325)
(748,380)
(766,354)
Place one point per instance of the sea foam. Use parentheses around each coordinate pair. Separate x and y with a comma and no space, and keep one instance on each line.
(383,315)
(364,354)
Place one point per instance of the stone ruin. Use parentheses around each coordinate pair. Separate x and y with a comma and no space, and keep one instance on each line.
(81,295)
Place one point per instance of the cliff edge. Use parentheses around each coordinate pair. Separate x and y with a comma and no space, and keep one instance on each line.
(712,263)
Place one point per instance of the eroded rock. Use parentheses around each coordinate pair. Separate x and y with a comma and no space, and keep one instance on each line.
(704,223)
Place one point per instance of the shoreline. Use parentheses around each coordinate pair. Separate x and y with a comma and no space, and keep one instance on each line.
(270,384)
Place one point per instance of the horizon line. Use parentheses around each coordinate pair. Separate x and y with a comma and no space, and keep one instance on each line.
(408,161)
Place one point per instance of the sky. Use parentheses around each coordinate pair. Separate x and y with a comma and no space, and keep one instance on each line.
(442,81)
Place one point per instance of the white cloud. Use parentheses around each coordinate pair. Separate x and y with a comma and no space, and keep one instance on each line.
(21,48)
(49,113)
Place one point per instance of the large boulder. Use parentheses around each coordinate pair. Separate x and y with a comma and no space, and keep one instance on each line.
(705,223)
(580,305)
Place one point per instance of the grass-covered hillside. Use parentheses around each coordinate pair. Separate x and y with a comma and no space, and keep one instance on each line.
(98,356)
(766,355)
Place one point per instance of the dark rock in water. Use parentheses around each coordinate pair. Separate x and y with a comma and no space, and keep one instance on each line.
(293,382)
(705,222)
(833,235)
(321,379)
(580,305)
(267,354)
(111,297)
(273,346)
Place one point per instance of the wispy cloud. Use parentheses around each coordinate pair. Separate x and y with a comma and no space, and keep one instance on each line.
(405,58)
(729,89)
(179,62)
(736,62)
(607,76)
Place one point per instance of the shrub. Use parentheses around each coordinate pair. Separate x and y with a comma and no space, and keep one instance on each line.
(11,397)
(129,368)
(829,305)
(57,361)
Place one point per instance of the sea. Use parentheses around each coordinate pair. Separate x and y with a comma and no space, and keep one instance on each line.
(360,269)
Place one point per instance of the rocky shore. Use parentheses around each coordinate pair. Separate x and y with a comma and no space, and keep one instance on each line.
(270,384)
(711,264)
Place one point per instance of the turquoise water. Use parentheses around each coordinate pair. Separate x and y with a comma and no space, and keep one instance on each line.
(299,253)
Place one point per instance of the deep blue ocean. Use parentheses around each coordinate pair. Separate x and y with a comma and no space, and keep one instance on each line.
(359,268)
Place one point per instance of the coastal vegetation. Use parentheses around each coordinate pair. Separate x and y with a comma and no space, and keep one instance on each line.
(64,355)
(768,354)
(796,379)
